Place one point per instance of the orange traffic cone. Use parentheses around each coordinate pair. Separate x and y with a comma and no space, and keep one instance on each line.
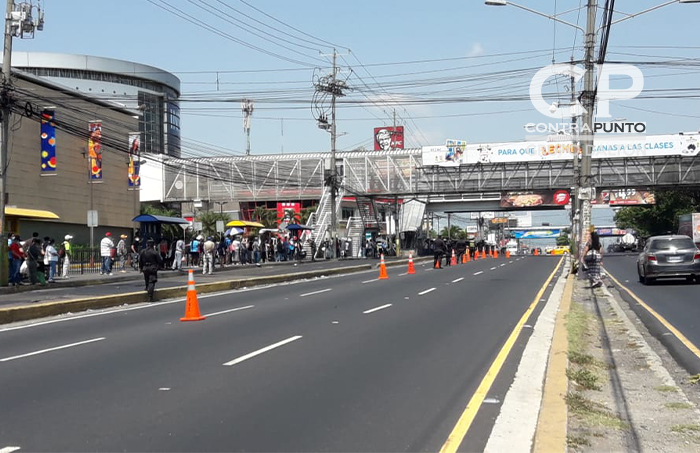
(192,306)
(411,269)
(453,261)
(537,252)
(476,254)
(382,269)
(438,263)
(495,253)
(466,256)
(507,253)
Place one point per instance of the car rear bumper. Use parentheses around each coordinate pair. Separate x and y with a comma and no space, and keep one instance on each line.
(681,270)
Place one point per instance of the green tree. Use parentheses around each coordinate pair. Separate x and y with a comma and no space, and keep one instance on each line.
(306,214)
(564,239)
(290,216)
(209,219)
(662,217)
(266,216)
(451,232)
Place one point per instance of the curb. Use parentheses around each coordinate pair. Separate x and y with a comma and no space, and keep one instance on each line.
(550,434)
(41,310)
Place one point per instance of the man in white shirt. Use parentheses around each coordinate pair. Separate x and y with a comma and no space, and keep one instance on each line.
(208,248)
(106,246)
(179,250)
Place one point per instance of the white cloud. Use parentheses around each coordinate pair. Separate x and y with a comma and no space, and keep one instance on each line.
(476,50)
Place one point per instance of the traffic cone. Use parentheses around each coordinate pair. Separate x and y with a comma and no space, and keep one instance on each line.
(438,263)
(453,261)
(507,253)
(192,306)
(411,269)
(382,269)
(464,257)
(495,253)
(537,252)
(467,258)
(476,254)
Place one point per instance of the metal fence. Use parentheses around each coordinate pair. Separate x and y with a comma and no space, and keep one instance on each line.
(87,261)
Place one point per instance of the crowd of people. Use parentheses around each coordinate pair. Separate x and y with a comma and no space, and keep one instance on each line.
(37,259)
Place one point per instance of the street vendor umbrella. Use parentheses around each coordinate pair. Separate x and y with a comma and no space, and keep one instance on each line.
(297,227)
(233,231)
(244,223)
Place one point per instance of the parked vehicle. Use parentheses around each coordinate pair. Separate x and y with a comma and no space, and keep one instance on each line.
(668,256)
(561,250)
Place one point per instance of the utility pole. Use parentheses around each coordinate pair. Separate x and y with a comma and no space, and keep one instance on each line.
(588,96)
(331,85)
(21,24)
(247,108)
(577,182)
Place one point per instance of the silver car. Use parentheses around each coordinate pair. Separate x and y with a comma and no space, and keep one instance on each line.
(668,257)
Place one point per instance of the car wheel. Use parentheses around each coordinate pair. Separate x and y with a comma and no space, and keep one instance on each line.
(641,279)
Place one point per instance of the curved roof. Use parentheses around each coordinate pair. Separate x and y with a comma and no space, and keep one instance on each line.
(148,218)
(96,64)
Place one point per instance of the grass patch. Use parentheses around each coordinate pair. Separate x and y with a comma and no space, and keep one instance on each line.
(592,413)
(695,379)
(678,406)
(685,428)
(666,388)
(577,328)
(584,378)
(573,441)
(580,358)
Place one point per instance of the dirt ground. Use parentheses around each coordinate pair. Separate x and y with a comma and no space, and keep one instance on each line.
(625,392)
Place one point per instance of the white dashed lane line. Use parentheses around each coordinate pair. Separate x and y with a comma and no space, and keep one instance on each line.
(477,273)
(493,268)
(262,351)
(315,292)
(458,280)
(8,449)
(376,309)
(7,359)
(228,311)
(370,281)
(503,264)
(426,291)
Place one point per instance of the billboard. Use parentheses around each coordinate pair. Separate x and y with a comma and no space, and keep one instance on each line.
(536,234)
(605,147)
(48,142)
(133,170)
(388,138)
(284,208)
(533,199)
(95,150)
(624,197)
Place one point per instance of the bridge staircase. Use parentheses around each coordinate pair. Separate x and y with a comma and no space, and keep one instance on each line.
(320,221)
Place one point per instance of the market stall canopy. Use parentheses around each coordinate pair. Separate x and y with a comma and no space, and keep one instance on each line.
(29,213)
(297,226)
(149,218)
(244,223)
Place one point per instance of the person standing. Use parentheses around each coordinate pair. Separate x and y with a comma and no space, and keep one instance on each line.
(592,256)
(52,257)
(135,248)
(16,254)
(208,248)
(66,255)
(121,253)
(106,246)
(438,251)
(179,250)
(34,257)
(194,251)
(149,263)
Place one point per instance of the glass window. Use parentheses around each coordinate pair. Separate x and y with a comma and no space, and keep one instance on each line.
(668,244)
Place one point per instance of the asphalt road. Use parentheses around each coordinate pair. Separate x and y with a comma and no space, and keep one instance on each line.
(674,299)
(348,363)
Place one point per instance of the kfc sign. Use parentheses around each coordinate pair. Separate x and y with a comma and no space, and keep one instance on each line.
(388,138)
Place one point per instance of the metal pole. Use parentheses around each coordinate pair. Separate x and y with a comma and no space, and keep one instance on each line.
(4,148)
(92,228)
(334,170)
(587,140)
(577,182)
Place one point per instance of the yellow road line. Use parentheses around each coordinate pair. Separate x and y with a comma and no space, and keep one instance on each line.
(551,425)
(465,420)
(682,338)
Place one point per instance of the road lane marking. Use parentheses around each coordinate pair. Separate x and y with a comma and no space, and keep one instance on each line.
(262,351)
(493,268)
(315,292)
(477,273)
(376,309)
(370,281)
(426,291)
(511,262)
(8,449)
(7,359)
(465,420)
(458,280)
(405,273)
(229,311)
(502,264)
(682,338)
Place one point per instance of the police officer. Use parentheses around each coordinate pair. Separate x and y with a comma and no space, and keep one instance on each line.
(438,251)
(149,263)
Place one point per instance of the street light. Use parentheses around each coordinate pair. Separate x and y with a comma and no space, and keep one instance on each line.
(588,95)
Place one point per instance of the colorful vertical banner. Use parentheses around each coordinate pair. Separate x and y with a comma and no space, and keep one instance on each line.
(95,150)
(134,164)
(48,142)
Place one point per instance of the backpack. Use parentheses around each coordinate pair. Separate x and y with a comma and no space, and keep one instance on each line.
(61,252)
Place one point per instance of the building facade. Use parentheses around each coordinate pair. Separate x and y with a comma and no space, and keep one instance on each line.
(51,184)
(150,91)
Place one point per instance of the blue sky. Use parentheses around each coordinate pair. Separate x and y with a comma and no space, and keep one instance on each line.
(479,48)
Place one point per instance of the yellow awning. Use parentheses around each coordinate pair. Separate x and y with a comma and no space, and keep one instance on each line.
(244,223)
(29,213)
